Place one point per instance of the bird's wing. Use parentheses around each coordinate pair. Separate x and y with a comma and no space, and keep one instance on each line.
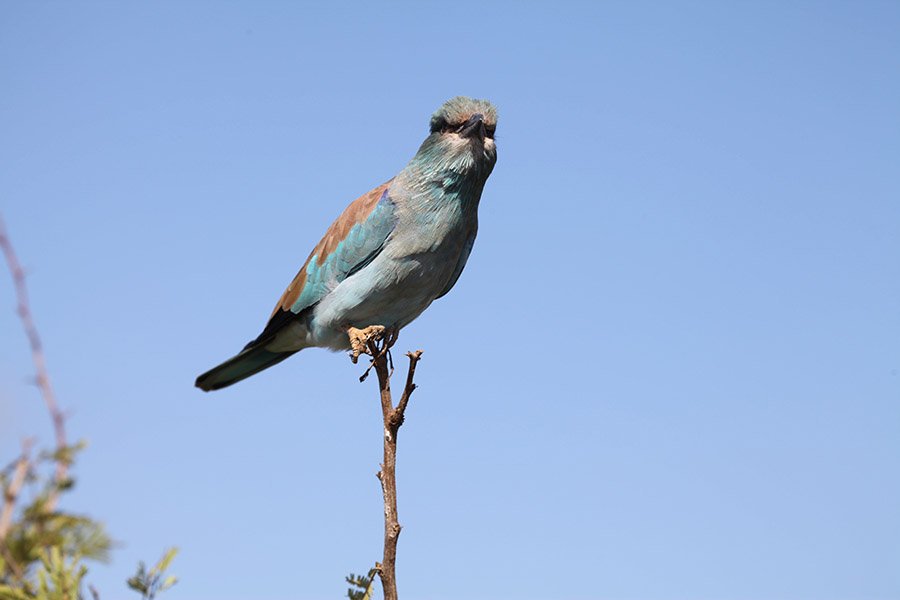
(351,243)
(461,263)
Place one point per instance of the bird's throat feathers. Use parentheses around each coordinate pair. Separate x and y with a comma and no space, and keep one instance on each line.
(449,169)
(455,160)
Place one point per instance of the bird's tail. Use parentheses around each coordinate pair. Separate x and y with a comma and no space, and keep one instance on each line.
(249,361)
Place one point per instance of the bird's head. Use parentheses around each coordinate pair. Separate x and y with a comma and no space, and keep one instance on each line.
(464,120)
(462,138)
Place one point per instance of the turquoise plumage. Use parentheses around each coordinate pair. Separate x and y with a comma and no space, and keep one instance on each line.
(390,254)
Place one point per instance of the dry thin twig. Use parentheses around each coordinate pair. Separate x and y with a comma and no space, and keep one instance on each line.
(393,419)
(42,379)
(11,493)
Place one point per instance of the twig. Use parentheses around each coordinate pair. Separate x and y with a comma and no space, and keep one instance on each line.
(410,386)
(11,493)
(393,419)
(380,354)
(40,364)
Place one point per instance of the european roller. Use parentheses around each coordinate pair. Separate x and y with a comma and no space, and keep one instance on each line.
(391,253)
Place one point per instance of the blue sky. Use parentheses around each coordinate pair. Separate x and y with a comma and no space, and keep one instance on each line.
(670,370)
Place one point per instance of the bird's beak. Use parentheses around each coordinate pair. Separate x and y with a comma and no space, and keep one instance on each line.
(474,127)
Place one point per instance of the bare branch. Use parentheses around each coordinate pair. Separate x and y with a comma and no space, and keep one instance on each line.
(393,419)
(40,364)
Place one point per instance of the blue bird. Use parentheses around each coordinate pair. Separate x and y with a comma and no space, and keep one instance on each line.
(389,255)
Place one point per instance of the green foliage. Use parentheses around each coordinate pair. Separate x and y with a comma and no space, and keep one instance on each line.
(66,454)
(42,556)
(364,584)
(43,552)
(149,583)
(58,577)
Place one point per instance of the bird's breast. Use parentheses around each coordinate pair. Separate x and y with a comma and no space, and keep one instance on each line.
(415,265)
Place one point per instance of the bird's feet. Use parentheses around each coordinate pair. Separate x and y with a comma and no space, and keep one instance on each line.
(365,341)
(360,338)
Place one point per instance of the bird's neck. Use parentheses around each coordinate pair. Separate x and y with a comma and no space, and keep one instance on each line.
(435,184)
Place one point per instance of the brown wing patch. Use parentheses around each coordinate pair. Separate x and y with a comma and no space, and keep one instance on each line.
(357,212)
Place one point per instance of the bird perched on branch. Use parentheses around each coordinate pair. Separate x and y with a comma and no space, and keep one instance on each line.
(389,255)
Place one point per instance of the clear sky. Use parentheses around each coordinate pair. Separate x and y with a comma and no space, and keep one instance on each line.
(670,370)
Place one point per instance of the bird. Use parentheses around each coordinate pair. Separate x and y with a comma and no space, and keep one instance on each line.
(389,255)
